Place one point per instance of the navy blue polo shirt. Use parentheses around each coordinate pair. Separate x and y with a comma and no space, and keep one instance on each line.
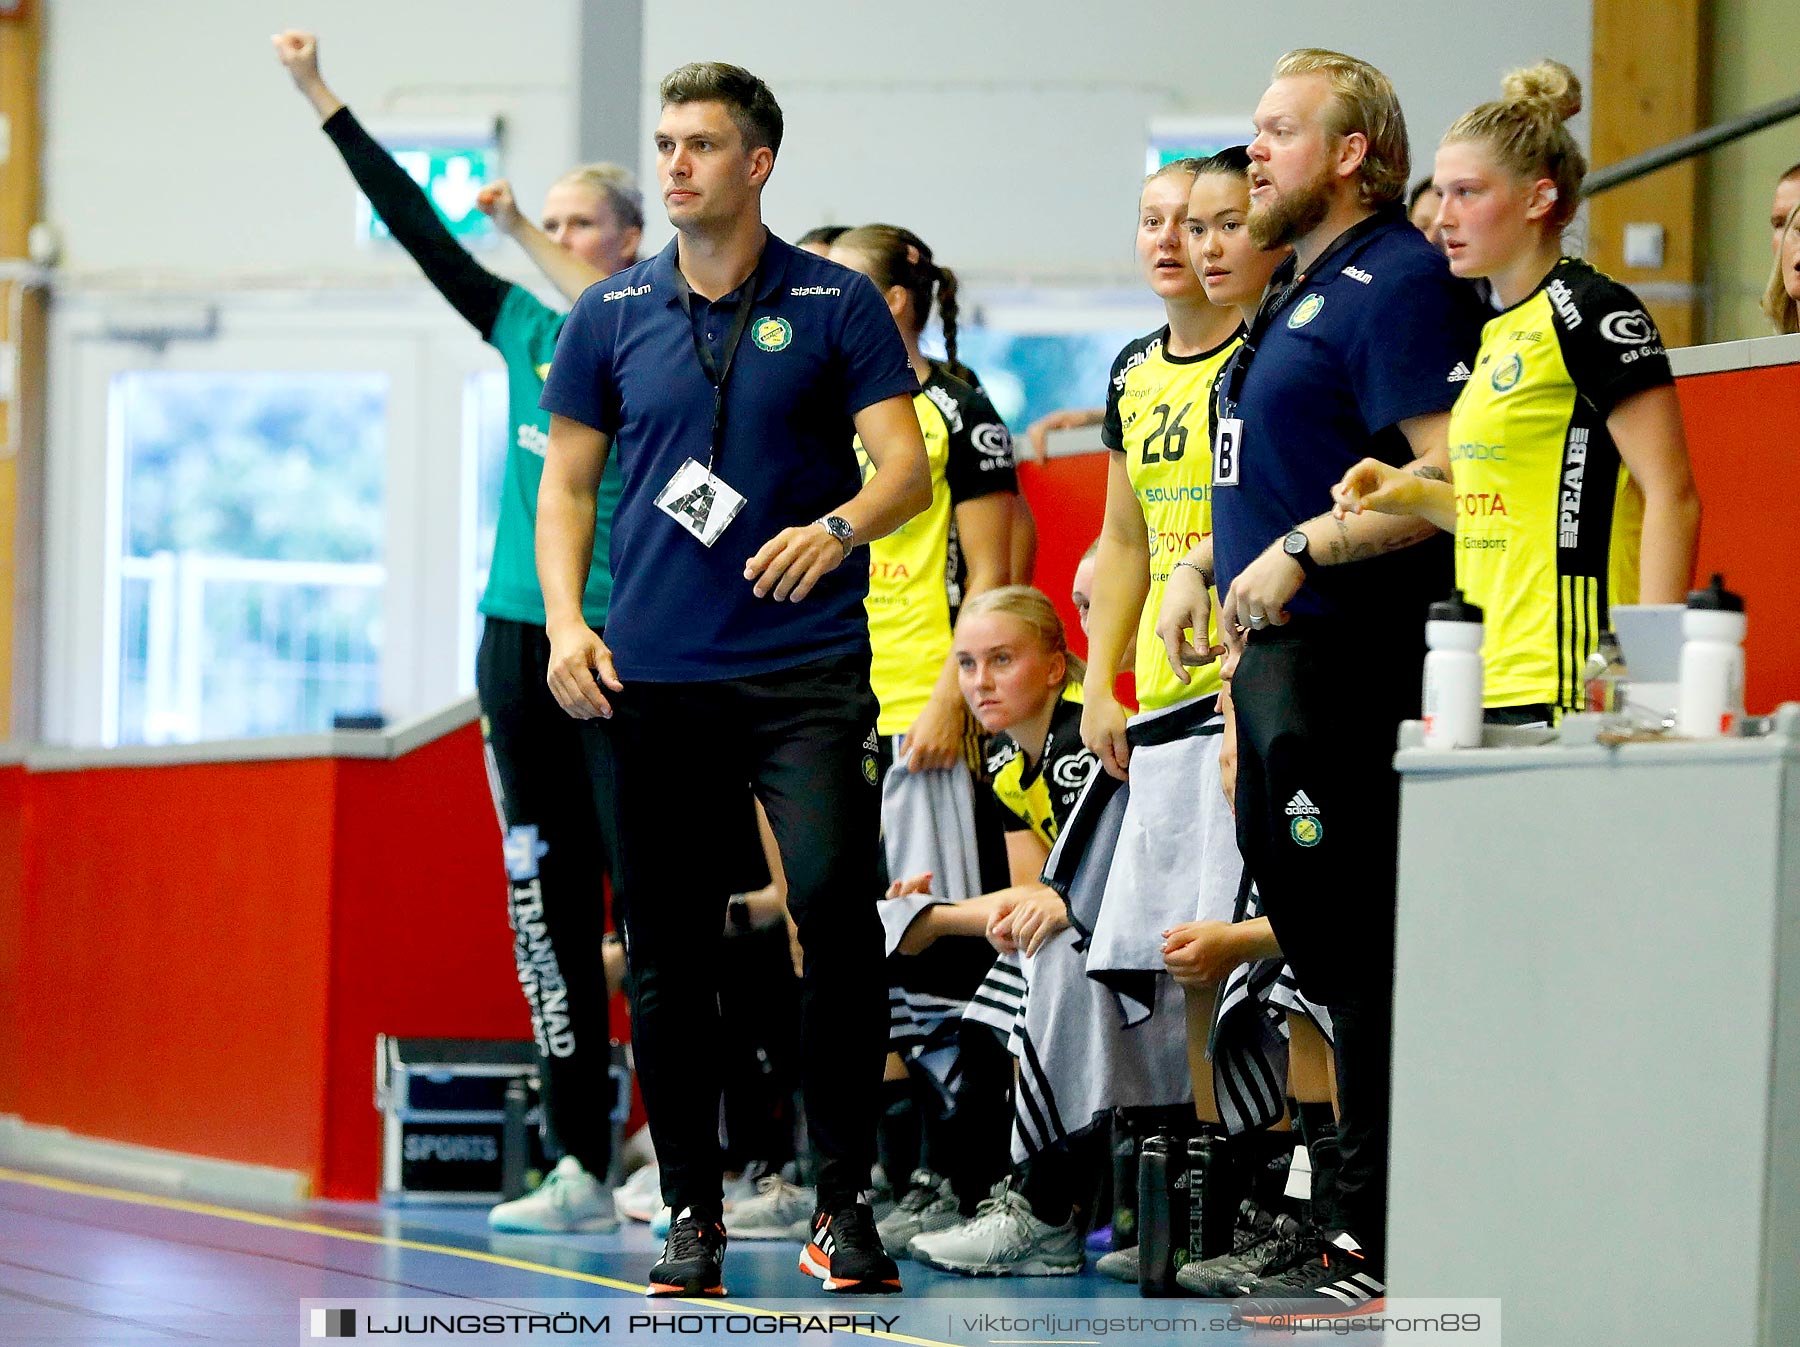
(1379,333)
(820,345)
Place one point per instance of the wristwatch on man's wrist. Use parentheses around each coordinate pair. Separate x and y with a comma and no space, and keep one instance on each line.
(839,527)
(1297,545)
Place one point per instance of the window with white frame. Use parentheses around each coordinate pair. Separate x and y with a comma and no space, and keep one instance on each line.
(249,573)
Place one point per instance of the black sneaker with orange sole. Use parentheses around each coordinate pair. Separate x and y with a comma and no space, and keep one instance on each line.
(845,1252)
(691,1258)
(1334,1283)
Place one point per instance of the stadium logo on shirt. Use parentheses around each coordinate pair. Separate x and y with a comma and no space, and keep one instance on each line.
(814,290)
(992,440)
(1359,275)
(1137,358)
(945,403)
(1307,311)
(1628,327)
(628,292)
(1508,373)
(772,334)
(1564,300)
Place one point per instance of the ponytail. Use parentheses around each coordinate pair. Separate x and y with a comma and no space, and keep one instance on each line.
(897,256)
(947,314)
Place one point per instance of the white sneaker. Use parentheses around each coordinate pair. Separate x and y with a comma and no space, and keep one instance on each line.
(778,1211)
(1003,1239)
(741,1189)
(640,1195)
(570,1201)
(929,1205)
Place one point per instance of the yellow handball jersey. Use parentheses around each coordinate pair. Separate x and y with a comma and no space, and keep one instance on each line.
(916,572)
(1158,414)
(1548,520)
(1041,796)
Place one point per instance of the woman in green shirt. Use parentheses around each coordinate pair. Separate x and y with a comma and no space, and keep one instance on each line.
(538,758)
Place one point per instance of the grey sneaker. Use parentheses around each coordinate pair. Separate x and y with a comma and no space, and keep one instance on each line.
(639,1196)
(1003,1239)
(778,1211)
(570,1201)
(1262,1244)
(1121,1265)
(929,1205)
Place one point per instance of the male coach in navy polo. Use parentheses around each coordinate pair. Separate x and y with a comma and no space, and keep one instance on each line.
(1361,344)
(730,374)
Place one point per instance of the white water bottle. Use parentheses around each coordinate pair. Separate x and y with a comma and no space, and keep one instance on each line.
(1712,663)
(1453,632)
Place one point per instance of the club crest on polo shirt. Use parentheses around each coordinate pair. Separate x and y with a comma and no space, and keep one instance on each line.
(1306,311)
(772,334)
(1304,824)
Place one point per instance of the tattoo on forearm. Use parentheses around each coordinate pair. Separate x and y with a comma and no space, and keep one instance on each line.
(1431,474)
(1343,549)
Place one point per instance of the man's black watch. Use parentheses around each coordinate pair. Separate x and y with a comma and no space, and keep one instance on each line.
(839,527)
(1296,544)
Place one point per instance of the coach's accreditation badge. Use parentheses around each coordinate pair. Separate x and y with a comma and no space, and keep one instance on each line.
(1228,448)
(700,502)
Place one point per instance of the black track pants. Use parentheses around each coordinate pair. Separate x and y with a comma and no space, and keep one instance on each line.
(1318,814)
(804,739)
(543,766)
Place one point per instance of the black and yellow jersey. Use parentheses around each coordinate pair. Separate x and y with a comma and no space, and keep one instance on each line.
(1159,415)
(1041,796)
(915,573)
(1548,520)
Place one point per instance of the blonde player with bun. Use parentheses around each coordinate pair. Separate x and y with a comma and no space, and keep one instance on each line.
(1570,489)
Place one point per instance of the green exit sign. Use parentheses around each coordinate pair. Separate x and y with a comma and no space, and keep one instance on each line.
(451,169)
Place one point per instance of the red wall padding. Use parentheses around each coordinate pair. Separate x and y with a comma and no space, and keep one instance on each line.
(1743,432)
(1068,499)
(12,935)
(172,973)
(207,952)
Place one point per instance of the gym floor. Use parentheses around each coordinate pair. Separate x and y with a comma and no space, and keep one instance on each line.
(84,1264)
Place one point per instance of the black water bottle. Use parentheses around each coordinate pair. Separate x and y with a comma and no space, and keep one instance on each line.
(1199,1162)
(1213,1198)
(1162,1215)
(1124,1183)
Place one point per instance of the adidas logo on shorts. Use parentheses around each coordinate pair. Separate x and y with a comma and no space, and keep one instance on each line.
(1300,804)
